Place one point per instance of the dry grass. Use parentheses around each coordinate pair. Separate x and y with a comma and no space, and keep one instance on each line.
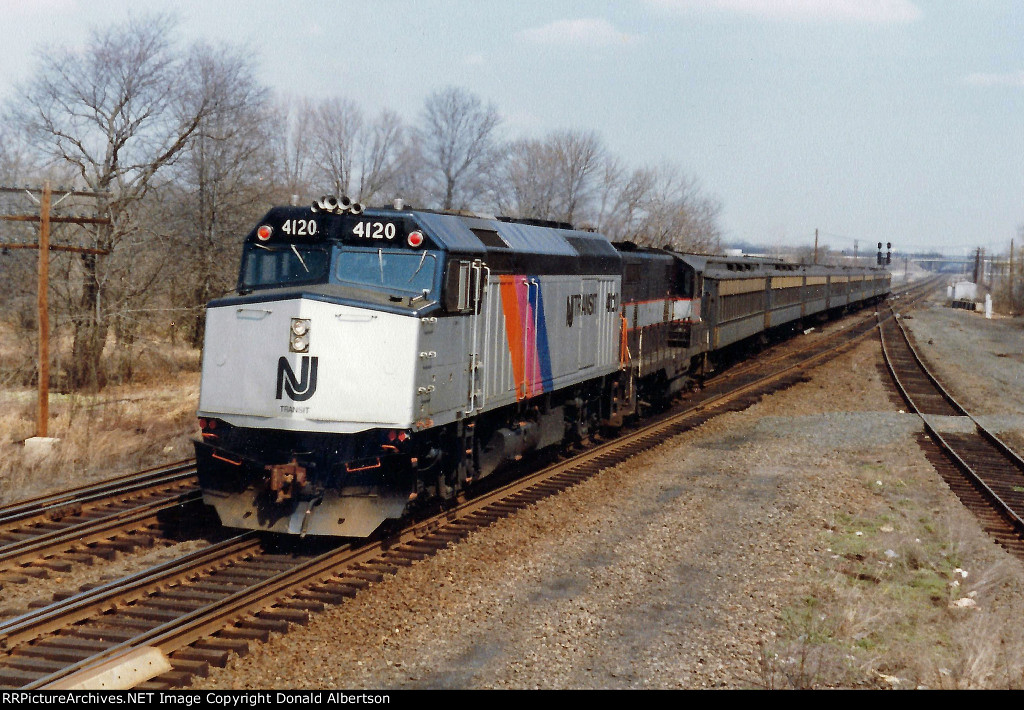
(120,429)
(151,356)
(885,612)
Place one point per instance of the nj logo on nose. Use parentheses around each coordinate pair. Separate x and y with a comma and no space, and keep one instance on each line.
(299,389)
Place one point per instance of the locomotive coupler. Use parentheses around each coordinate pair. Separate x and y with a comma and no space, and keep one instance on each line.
(287,479)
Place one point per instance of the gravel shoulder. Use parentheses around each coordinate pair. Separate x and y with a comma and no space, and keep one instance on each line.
(979,360)
(692,566)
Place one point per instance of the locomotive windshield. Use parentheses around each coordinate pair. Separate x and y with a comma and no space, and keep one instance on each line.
(395,273)
(280,264)
(392,271)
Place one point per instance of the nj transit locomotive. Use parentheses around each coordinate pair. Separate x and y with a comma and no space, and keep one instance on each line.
(370,359)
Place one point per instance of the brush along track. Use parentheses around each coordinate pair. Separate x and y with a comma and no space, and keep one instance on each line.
(197,610)
(78,526)
(983,471)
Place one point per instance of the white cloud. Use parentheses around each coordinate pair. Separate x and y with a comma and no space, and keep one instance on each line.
(1010,79)
(876,11)
(585,31)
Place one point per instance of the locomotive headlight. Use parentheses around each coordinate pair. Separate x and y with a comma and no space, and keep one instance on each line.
(298,340)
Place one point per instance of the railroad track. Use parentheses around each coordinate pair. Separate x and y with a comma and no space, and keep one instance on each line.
(978,467)
(57,531)
(54,504)
(192,613)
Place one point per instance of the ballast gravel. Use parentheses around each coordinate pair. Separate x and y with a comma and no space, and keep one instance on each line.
(981,361)
(672,570)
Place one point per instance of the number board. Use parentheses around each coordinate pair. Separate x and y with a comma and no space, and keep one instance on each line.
(296,229)
(374,231)
(289,224)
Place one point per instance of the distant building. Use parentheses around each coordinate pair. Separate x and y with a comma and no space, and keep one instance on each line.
(962,290)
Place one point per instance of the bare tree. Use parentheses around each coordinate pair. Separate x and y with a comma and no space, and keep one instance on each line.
(623,199)
(578,156)
(383,156)
(115,110)
(293,147)
(15,159)
(525,182)
(678,215)
(336,129)
(609,188)
(657,207)
(555,178)
(18,267)
(219,184)
(354,157)
(457,146)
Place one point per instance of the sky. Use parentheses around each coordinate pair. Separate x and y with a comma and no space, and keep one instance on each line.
(870,120)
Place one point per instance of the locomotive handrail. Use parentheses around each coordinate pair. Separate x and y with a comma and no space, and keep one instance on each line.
(474,356)
(533,349)
(487,331)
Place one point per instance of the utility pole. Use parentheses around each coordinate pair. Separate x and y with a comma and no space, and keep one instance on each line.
(1011,275)
(42,302)
(815,246)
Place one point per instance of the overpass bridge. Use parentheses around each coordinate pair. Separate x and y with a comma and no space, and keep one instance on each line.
(941,264)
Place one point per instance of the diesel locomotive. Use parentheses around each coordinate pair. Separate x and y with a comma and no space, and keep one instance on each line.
(373,359)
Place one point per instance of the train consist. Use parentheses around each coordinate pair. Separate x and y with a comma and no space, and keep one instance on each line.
(370,360)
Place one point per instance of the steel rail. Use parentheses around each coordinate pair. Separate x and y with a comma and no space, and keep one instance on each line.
(127,483)
(88,531)
(931,379)
(85,605)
